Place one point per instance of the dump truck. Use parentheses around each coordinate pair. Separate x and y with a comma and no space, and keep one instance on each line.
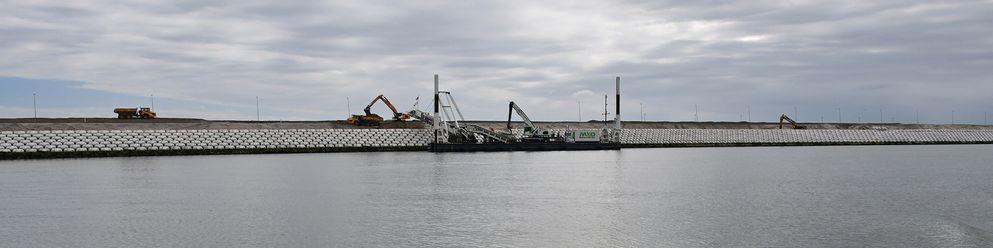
(135,113)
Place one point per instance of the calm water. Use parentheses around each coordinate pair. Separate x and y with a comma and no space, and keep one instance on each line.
(897,196)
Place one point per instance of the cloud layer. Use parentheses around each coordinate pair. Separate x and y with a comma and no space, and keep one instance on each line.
(305,57)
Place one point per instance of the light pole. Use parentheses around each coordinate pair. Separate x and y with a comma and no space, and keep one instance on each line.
(839,115)
(580,110)
(642,111)
(696,113)
(796,113)
(258,109)
(348,107)
(34,100)
(749,108)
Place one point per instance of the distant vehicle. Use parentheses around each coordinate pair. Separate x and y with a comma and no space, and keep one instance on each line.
(135,113)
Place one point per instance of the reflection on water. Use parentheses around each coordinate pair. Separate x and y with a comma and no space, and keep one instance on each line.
(772,196)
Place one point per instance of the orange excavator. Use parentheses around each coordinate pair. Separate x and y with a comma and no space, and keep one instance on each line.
(783,118)
(370,119)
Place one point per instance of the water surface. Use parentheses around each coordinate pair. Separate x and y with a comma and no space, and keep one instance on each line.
(896,196)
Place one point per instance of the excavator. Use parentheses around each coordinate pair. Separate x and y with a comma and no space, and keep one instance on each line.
(783,118)
(532,133)
(370,119)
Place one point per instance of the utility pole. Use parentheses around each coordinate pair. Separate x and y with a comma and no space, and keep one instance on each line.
(348,107)
(152,97)
(258,109)
(34,100)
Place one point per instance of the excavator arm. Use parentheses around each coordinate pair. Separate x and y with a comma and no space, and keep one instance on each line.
(396,114)
(783,118)
(529,126)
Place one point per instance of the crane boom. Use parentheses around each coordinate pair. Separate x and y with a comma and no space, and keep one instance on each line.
(529,126)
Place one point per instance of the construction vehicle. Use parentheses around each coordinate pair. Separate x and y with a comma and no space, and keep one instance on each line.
(370,119)
(135,113)
(785,118)
(532,133)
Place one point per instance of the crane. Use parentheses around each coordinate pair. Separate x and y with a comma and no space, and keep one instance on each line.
(783,117)
(370,119)
(532,133)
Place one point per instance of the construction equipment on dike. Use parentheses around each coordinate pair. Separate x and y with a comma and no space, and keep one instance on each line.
(451,133)
(784,118)
(370,119)
(135,113)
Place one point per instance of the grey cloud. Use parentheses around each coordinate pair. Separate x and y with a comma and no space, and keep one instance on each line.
(719,55)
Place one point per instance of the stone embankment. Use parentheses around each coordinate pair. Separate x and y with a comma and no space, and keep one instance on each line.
(100,143)
(785,137)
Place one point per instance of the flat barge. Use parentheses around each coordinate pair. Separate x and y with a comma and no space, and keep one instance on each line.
(452,134)
(542,146)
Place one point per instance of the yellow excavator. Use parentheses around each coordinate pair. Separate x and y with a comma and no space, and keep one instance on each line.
(370,119)
(785,118)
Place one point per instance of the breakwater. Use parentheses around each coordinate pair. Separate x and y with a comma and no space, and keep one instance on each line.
(99,143)
(788,137)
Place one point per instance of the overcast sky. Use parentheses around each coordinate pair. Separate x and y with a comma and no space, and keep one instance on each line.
(210,59)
